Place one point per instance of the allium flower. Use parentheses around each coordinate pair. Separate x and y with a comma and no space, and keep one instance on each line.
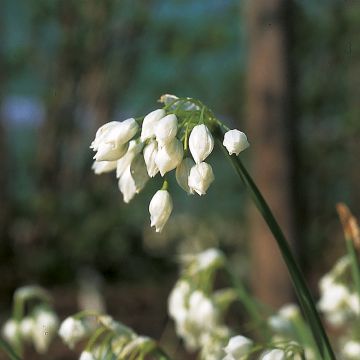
(44,330)
(201,143)
(149,124)
(275,354)
(71,331)
(289,311)
(86,355)
(169,156)
(200,178)
(202,311)
(235,141)
(110,152)
(150,152)
(183,172)
(160,209)
(123,132)
(166,129)
(10,331)
(178,299)
(101,167)
(237,347)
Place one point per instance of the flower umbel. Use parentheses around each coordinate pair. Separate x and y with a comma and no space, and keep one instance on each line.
(180,136)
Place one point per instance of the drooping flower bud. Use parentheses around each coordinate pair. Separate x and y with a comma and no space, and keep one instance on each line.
(101,167)
(122,132)
(124,162)
(275,354)
(110,152)
(200,178)
(235,141)
(101,134)
(86,355)
(169,156)
(238,346)
(183,172)
(166,129)
(46,325)
(10,331)
(149,124)
(201,143)
(127,185)
(27,325)
(71,331)
(150,152)
(160,208)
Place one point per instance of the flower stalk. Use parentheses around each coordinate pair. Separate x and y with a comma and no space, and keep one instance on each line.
(301,289)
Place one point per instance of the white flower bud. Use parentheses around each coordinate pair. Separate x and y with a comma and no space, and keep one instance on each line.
(238,346)
(202,311)
(351,350)
(201,143)
(150,122)
(46,325)
(169,156)
(177,303)
(289,312)
(10,331)
(200,178)
(235,141)
(122,132)
(101,167)
(166,129)
(160,209)
(124,162)
(275,354)
(27,325)
(101,134)
(110,152)
(183,172)
(150,152)
(86,355)
(71,331)
(133,179)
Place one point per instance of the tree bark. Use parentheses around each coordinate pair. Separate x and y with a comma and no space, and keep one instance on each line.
(268,110)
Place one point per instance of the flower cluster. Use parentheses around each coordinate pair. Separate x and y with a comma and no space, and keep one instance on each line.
(177,137)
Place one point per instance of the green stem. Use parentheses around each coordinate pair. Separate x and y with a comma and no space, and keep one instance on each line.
(355,270)
(301,289)
(8,350)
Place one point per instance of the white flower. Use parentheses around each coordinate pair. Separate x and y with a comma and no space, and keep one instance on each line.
(200,178)
(238,346)
(133,179)
(46,325)
(169,156)
(335,297)
(166,129)
(183,172)
(160,209)
(101,134)
(101,167)
(177,303)
(279,324)
(201,143)
(289,311)
(71,331)
(110,152)
(235,141)
(149,124)
(275,354)
(10,331)
(86,355)
(351,350)
(27,325)
(124,162)
(150,152)
(122,132)
(202,310)
(209,258)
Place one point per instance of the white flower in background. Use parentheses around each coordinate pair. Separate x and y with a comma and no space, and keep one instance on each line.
(279,324)
(71,331)
(209,258)
(86,355)
(27,325)
(275,354)
(46,325)
(354,304)
(169,156)
(289,311)
(202,311)
(101,167)
(235,141)
(160,209)
(169,99)
(149,124)
(237,347)
(150,152)
(125,161)
(177,303)
(10,331)
(183,172)
(351,350)
(166,129)
(201,143)
(200,178)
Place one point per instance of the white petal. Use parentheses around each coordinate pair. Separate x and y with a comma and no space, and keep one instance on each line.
(201,143)
(160,208)
(166,129)
(150,122)
(169,156)
(235,141)
(200,178)
(183,172)
(150,152)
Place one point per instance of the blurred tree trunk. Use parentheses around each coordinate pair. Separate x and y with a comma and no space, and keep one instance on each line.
(270,137)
